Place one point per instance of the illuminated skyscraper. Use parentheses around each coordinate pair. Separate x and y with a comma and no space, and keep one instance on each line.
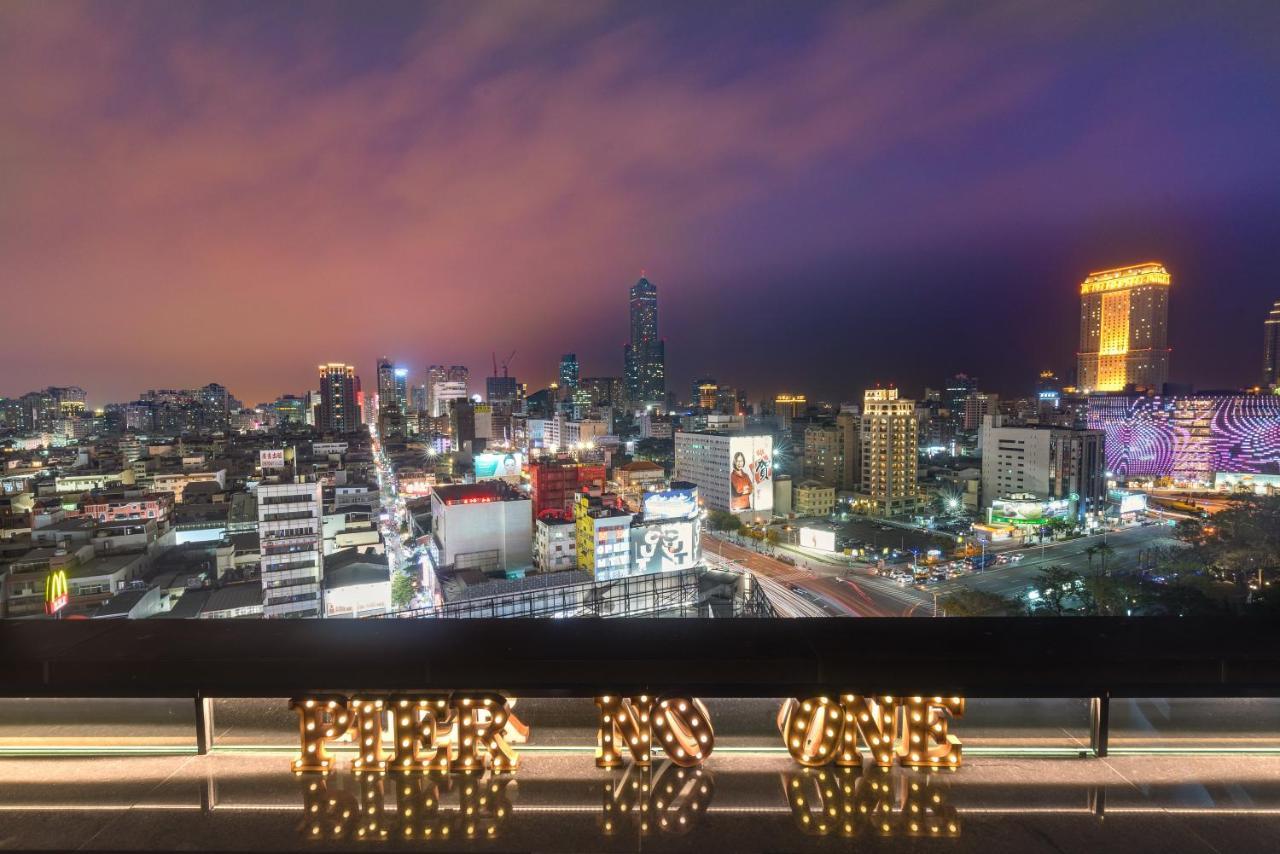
(705,392)
(568,373)
(956,391)
(1124,316)
(393,387)
(386,383)
(644,356)
(339,411)
(789,407)
(1271,349)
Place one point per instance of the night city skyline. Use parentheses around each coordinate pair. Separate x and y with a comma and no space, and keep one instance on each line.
(581,425)
(881,193)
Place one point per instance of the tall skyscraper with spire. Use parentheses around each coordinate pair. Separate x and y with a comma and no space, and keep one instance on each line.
(644,357)
(1271,349)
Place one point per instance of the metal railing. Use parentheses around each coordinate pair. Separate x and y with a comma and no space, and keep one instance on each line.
(1096,658)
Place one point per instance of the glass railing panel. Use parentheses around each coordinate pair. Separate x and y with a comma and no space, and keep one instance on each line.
(1226,724)
(96,723)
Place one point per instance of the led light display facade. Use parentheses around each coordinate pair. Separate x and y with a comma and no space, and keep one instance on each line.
(1188,438)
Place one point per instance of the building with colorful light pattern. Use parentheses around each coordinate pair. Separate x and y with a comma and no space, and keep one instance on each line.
(1188,438)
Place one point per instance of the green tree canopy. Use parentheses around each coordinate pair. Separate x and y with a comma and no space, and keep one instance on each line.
(967,602)
(401,589)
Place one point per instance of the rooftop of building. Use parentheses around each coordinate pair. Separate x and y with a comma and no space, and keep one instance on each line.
(213,514)
(189,605)
(556,517)
(349,568)
(70,525)
(107,564)
(641,465)
(529,583)
(120,604)
(1121,278)
(246,594)
(244,541)
(484,492)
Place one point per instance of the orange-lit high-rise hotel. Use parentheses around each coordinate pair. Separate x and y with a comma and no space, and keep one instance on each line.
(1124,319)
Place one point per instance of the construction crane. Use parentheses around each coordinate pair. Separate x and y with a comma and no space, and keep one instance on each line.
(505,362)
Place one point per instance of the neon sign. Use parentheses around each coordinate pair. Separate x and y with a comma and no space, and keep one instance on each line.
(56,594)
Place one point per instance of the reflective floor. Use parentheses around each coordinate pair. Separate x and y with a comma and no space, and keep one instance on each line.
(558,801)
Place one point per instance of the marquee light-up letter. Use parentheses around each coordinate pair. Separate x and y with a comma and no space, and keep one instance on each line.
(482,720)
(817,731)
(684,730)
(913,730)
(681,724)
(369,716)
(628,720)
(876,718)
(925,742)
(321,720)
(420,727)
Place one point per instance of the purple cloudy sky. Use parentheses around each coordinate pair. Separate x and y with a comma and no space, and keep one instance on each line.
(825,195)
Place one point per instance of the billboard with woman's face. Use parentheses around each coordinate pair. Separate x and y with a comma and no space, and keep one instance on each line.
(751,473)
(489,466)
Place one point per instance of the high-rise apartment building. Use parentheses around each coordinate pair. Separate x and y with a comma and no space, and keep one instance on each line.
(644,356)
(789,407)
(849,440)
(1271,348)
(1124,317)
(732,471)
(419,398)
(978,405)
(436,374)
(502,391)
(1049,463)
(339,409)
(704,393)
(400,389)
(823,454)
(955,392)
(604,391)
(443,394)
(568,374)
(890,465)
(289,548)
(386,383)
(393,387)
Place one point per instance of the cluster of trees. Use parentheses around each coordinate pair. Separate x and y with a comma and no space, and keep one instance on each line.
(723,520)
(402,591)
(1065,593)
(1227,564)
(1240,548)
